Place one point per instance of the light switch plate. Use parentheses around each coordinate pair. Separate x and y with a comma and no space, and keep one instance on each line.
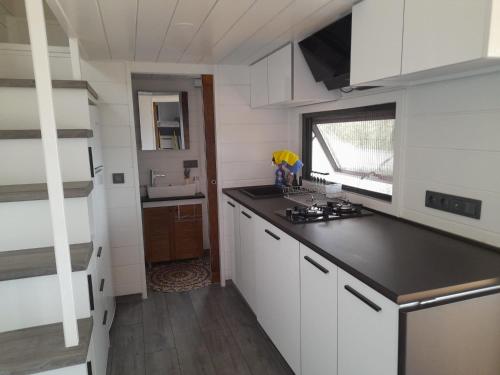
(118,178)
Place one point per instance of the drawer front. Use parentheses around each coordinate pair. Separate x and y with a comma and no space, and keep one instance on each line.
(368,329)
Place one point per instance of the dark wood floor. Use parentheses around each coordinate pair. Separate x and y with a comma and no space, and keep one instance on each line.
(206,331)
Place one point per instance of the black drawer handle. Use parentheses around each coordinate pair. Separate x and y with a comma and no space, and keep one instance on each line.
(232,205)
(245,214)
(316,264)
(91,292)
(105,319)
(272,234)
(362,298)
(89,368)
(101,287)
(99,251)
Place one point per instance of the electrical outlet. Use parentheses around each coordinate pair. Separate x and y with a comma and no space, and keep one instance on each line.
(453,204)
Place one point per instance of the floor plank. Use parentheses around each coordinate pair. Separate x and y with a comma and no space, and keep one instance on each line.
(163,362)
(209,331)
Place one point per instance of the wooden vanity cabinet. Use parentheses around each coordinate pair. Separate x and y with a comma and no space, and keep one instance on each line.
(172,233)
(188,232)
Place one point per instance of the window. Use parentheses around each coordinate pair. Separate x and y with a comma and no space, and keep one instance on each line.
(354,147)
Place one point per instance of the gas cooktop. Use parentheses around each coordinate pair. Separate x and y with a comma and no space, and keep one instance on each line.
(333,210)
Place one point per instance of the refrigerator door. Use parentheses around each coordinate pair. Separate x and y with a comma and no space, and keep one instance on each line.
(456,338)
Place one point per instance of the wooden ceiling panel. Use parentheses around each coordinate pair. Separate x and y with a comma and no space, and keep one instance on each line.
(221,19)
(282,23)
(85,20)
(257,16)
(322,17)
(190,31)
(120,22)
(188,18)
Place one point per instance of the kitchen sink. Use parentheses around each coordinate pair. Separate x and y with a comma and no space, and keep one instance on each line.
(171,191)
(263,192)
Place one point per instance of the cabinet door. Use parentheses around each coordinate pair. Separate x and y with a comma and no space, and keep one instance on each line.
(247,249)
(258,84)
(376,44)
(368,329)
(318,312)
(158,229)
(278,290)
(279,65)
(188,232)
(445,32)
(231,237)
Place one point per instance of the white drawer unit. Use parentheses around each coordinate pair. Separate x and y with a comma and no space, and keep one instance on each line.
(247,249)
(278,290)
(367,329)
(318,313)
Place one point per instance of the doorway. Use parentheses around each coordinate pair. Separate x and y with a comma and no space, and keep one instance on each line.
(176,154)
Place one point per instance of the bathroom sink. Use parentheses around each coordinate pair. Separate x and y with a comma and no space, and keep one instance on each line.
(171,191)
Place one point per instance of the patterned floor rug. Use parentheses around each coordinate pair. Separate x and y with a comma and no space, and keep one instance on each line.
(179,276)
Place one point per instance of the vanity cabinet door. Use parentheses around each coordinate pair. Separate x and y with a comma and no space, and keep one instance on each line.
(158,233)
(188,232)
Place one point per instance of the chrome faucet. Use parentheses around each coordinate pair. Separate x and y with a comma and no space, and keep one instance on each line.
(153,175)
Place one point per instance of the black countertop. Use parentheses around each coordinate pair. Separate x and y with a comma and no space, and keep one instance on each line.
(179,198)
(403,261)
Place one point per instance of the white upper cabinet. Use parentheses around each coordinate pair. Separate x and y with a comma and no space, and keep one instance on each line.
(318,314)
(411,40)
(284,79)
(279,71)
(376,44)
(258,83)
(445,32)
(367,329)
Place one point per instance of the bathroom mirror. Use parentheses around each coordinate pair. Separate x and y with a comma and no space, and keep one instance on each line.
(164,120)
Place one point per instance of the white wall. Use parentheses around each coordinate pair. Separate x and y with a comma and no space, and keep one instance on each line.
(245,137)
(448,141)
(109,79)
(16,62)
(171,161)
(453,146)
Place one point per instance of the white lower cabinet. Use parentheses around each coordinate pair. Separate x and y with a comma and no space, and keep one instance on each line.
(367,330)
(318,314)
(231,235)
(278,290)
(247,245)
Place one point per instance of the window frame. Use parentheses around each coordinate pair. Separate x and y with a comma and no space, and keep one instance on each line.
(309,120)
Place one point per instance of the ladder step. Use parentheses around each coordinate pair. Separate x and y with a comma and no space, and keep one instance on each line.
(37,134)
(20,264)
(56,84)
(35,192)
(36,349)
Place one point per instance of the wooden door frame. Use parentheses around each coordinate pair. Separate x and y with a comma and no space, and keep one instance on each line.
(207,81)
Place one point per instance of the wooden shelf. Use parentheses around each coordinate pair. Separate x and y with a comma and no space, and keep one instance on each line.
(21,264)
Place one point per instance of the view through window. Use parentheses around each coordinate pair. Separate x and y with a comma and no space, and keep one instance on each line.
(355,147)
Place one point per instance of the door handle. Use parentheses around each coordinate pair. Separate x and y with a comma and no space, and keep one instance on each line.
(362,298)
(272,234)
(246,215)
(91,292)
(101,287)
(316,264)
(99,252)
(105,318)
(213,182)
